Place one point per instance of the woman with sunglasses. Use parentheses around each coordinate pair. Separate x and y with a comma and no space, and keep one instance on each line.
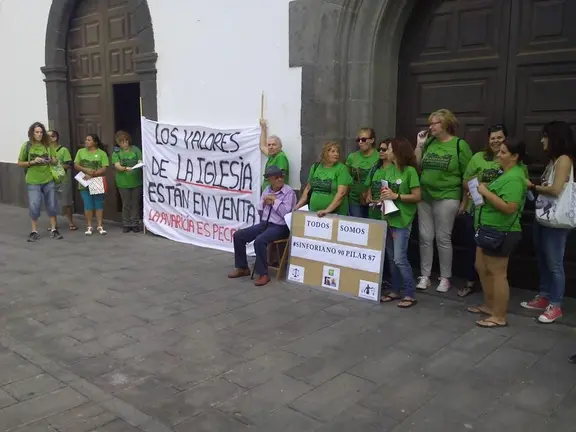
(374,180)
(360,163)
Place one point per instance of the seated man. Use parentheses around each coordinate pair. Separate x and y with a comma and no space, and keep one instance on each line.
(277,200)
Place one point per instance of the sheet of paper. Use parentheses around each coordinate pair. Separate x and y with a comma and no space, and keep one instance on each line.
(473,188)
(389,207)
(138,165)
(288,217)
(80,179)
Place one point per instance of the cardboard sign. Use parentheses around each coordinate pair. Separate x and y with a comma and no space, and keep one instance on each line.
(341,253)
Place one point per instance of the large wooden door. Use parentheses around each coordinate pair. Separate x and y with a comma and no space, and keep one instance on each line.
(493,61)
(101,45)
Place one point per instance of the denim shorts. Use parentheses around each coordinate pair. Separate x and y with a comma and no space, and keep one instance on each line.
(510,242)
(64,194)
(92,202)
(42,193)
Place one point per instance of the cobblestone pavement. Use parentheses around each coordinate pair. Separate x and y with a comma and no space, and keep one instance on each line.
(136,333)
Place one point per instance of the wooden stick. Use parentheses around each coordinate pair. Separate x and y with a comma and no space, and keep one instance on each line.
(143,224)
(262,106)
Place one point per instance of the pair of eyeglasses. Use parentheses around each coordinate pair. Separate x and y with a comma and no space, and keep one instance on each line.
(382,149)
(362,140)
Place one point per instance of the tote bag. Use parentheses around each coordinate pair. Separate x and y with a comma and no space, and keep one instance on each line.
(97,185)
(559,212)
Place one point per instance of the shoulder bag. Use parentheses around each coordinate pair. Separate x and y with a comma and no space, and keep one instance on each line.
(490,239)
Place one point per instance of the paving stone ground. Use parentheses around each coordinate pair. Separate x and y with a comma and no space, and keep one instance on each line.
(136,333)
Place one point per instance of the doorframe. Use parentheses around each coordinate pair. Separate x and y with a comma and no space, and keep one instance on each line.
(56,70)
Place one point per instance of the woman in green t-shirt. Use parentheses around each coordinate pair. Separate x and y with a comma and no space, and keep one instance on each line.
(503,205)
(128,180)
(373,180)
(402,186)
(36,155)
(92,160)
(485,167)
(442,159)
(360,163)
(271,146)
(328,184)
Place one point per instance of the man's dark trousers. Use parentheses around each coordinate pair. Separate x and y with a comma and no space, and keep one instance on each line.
(262,234)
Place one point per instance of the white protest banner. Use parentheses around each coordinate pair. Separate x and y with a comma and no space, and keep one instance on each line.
(200,184)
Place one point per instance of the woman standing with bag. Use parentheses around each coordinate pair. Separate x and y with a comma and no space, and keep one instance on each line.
(551,227)
(92,160)
(498,232)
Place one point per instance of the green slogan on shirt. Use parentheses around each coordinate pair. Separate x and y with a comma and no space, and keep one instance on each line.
(433,161)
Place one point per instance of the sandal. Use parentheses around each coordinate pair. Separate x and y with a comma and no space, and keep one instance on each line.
(72,227)
(101,231)
(406,303)
(488,323)
(466,291)
(477,310)
(389,298)
(88,231)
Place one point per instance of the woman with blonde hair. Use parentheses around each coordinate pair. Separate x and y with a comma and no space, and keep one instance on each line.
(328,184)
(442,158)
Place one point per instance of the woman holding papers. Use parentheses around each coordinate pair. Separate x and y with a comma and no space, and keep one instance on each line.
(373,180)
(442,158)
(401,185)
(328,184)
(92,160)
(498,231)
(128,180)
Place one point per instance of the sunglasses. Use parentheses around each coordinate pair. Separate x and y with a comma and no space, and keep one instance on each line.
(362,140)
(382,149)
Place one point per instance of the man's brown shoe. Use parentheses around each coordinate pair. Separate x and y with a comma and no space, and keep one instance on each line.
(262,280)
(237,273)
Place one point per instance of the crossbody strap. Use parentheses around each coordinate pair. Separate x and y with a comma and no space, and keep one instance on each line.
(511,225)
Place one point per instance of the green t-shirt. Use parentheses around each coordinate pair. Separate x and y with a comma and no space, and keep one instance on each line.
(443,169)
(65,158)
(486,171)
(373,181)
(128,158)
(281,161)
(402,182)
(91,160)
(324,182)
(511,187)
(359,165)
(41,173)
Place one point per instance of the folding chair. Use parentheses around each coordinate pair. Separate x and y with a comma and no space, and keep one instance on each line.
(278,257)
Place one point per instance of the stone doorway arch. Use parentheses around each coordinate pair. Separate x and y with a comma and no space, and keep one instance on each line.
(56,70)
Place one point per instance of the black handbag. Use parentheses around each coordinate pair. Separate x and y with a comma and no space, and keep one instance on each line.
(491,239)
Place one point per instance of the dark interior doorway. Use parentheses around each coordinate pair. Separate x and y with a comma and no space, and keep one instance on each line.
(127,116)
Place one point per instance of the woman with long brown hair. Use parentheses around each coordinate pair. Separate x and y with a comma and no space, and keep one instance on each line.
(400,183)
(328,183)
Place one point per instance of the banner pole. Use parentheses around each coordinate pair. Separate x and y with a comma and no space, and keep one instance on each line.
(143,224)
(262,106)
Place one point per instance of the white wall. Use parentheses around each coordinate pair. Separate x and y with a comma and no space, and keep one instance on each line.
(22,89)
(214,60)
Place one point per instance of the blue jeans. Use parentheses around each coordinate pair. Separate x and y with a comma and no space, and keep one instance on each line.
(550,244)
(397,250)
(357,210)
(45,192)
(262,235)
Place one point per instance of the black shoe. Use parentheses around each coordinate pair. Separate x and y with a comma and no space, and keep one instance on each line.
(136,229)
(56,235)
(126,229)
(572,359)
(33,237)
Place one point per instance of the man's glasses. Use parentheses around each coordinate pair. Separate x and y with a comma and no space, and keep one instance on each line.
(362,140)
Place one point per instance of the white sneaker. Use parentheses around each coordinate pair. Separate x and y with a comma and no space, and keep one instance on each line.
(444,285)
(423,283)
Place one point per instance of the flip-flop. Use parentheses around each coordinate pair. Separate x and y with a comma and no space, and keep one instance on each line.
(389,298)
(411,302)
(486,323)
(466,291)
(477,310)
(72,227)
